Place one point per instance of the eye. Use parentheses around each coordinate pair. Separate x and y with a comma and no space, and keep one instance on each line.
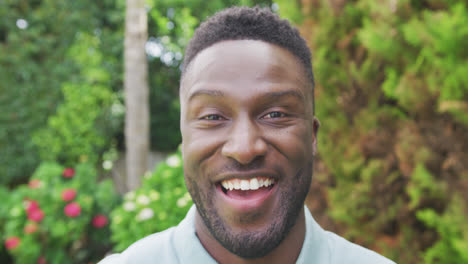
(275,114)
(211,117)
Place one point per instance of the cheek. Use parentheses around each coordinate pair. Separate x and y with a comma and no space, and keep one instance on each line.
(294,143)
(200,147)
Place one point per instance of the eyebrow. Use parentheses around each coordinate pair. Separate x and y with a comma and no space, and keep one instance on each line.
(277,95)
(215,93)
(269,95)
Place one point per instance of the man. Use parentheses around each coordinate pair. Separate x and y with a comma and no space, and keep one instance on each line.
(249,137)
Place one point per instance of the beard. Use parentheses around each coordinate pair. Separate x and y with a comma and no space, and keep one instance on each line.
(250,244)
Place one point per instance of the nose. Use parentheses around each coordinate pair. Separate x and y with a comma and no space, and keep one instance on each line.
(245,142)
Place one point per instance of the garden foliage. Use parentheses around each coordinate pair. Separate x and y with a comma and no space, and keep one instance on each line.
(60,216)
(80,128)
(36,64)
(161,202)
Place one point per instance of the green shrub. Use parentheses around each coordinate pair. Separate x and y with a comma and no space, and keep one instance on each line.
(432,47)
(4,197)
(452,228)
(59,217)
(161,202)
(80,128)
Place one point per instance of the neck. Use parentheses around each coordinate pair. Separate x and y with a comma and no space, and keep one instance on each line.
(287,251)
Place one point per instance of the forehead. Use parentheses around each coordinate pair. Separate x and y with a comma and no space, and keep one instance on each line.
(241,62)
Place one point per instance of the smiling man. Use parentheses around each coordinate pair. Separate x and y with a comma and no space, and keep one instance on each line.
(249,138)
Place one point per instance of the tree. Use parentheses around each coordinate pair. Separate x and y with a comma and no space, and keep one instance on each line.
(136,92)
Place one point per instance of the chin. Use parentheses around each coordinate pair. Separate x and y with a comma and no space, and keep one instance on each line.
(253,234)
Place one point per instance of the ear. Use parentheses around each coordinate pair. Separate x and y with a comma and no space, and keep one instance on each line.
(315,127)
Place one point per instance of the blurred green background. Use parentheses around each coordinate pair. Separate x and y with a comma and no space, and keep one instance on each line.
(391,95)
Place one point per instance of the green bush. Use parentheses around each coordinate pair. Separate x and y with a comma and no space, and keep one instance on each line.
(432,47)
(59,217)
(161,202)
(4,197)
(452,228)
(80,128)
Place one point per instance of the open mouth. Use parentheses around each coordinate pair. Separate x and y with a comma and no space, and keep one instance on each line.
(247,189)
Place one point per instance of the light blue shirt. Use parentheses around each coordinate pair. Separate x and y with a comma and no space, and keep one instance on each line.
(180,244)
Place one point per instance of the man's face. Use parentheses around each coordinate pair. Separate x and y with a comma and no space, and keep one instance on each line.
(248,142)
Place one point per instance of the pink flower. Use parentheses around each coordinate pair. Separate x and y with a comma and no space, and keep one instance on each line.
(68,173)
(41,260)
(68,195)
(100,221)
(72,209)
(30,228)
(36,215)
(34,183)
(32,206)
(12,243)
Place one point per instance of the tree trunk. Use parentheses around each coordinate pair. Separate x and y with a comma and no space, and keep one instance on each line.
(136,92)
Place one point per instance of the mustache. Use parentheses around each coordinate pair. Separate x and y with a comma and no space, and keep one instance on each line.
(232,167)
(235,166)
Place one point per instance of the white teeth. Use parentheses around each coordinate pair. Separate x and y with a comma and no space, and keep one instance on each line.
(260,182)
(252,184)
(244,185)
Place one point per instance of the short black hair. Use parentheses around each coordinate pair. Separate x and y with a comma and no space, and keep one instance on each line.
(239,23)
